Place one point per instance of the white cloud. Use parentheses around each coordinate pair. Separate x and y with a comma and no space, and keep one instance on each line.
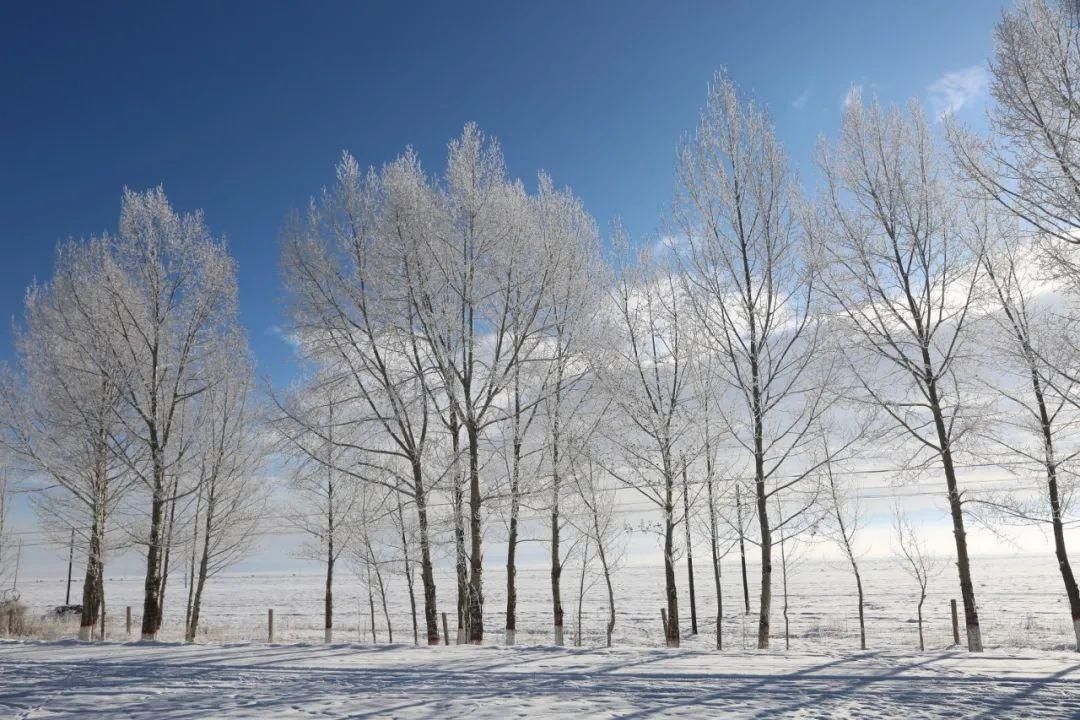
(953,90)
(292,339)
(853,94)
(800,102)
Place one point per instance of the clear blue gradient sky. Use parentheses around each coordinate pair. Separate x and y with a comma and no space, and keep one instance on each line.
(242,108)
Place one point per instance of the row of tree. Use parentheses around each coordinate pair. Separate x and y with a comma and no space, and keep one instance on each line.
(474,356)
(469,330)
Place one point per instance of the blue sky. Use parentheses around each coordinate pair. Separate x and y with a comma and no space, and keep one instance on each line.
(242,108)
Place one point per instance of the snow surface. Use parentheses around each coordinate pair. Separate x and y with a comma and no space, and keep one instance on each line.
(1022,604)
(163,681)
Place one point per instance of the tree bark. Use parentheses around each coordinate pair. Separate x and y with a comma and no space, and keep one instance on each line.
(742,551)
(689,554)
(408,572)
(963,565)
(714,542)
(150,620)
(94,570)
(476,565)
(328,593)
(515,506)
(1060,551)
(672,639)
(556,562)
(427,574)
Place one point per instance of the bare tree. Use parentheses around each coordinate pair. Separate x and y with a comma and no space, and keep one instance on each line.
(845,521)
(326,497)
(750,288)
(902,281)
(1031,161)
(345,269)
(232,494)
(570,237)
(642,363)
(163,304)
(916,560)
(476,264)
(370,543)
(6,570)
(59,414)
(599,521)
(1032,379)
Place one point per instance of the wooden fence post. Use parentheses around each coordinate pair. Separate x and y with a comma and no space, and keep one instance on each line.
(128,621)
(446,634)
(955,624)
(270,625)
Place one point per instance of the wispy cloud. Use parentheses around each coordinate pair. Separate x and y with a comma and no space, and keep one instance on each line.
(292,339)
(955,89)
(800,102)
(853,94)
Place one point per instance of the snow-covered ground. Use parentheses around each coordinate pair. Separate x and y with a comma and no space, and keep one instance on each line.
(1027,672)
(1021,599)
(160,681)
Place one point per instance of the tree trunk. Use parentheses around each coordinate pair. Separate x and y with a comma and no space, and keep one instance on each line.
(766,553)
(427,574)
(672,638)
(714,542)
(922,599)
(371,605)
(742,550)
(170,525)
(689,553)
(196,601)
(408,572)
(515,507)
(199,583)
(459,539)
(150,620)
(382,597)
(783,575)
(1060,552)
(556,562)
(581,591)
(191,568)
(91,583)
(862,617)
(476,560)
(963,565)
(328,593)
(610,591)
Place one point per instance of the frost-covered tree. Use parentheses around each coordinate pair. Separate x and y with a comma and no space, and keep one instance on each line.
(325,496)
(1031,161)
(902,280)
(232,495)
(915,558)
(569,237)
(749,286)
(1032,380)
(59,412)
(845,520)
(642,358)
(346,266)
(480,274)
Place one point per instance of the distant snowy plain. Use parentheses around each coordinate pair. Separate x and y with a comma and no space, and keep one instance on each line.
(1028,670)
(1022,604)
